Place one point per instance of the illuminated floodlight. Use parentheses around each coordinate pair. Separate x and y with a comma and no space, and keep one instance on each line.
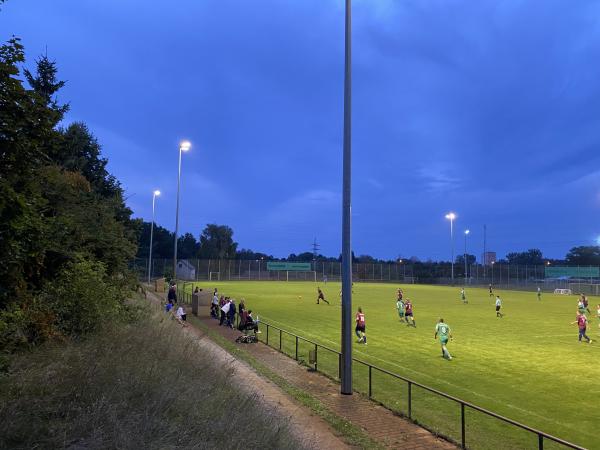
(157,192)
(185,146)
(467,231)
(451,216)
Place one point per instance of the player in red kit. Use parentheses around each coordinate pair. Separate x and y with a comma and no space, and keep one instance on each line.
(581,322)
(408,313)
(360,327)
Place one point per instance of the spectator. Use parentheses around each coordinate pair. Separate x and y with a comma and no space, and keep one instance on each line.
(231,314)
(251,324)
(172,294)
(181,316)
(214,306)
(224,310)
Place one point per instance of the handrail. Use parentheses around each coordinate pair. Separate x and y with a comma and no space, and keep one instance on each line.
(463,403)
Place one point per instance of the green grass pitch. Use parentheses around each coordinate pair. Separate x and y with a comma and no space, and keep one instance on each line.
(527,366)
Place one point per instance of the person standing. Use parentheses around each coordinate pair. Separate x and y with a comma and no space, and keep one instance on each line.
(491,290)
(539,294)
(214,306)
(498,306)
(408,313)
(360,327)
(231,313)
(581,322)
(442,330)
(400,308)
(222,304)
(585,303)
(463,296)
(172,294)
(321,296)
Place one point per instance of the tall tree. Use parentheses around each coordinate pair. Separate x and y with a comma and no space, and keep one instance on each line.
(531,257)
(216,241)
(584,255)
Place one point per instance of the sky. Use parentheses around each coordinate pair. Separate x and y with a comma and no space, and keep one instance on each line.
(489,109)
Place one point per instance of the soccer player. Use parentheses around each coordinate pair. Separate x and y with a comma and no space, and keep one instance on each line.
(585,303)
(408,312)
(360,327)
(581,322)
(491,290)
(399,294)
(580,305)
(498,306)
(443,331)
(463,295)
(539,293)
(400,308)
(321,296)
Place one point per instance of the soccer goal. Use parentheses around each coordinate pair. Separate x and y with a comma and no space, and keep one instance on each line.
(563,291)
(214,276)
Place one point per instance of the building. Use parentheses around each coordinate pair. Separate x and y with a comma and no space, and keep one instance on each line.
(185,271)
(489,258)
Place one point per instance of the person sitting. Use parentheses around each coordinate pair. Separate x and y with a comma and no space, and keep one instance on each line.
(251,323)
(169,306)
(181,316)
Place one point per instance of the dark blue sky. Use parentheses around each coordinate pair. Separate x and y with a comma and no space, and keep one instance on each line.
(487,108)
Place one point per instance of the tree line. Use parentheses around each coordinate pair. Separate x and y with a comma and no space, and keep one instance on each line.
(66,234)
(216,242)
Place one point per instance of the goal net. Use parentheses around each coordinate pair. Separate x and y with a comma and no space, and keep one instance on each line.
(563,291)
(214,276)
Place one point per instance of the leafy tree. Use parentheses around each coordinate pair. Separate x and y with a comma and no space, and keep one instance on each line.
(531,257)
(247,254)
(187,246)
(460,260)
(46,85)
(216,242)
(584,256)
(162,241)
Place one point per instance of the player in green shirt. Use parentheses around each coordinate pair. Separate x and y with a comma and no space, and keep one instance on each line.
(539,293)
(463,296)
(442,330)
(400,308)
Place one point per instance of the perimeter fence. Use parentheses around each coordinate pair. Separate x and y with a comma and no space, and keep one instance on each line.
(501,276)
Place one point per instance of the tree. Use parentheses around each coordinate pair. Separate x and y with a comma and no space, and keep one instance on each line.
(531,257)
(584,256)
(46,85)
(187,246)
(216,242)
(460,260)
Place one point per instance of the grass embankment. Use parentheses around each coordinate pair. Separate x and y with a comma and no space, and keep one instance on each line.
(527,365)
(142,385)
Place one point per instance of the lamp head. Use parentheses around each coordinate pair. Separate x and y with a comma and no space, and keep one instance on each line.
(451,216)
(467,231)
(157,193)
(184,146)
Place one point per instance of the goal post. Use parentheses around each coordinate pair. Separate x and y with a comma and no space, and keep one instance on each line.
(214,276)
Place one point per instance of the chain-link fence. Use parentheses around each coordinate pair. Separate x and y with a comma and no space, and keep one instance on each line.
(501,276)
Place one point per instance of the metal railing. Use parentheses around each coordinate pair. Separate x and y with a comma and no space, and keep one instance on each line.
(409,385)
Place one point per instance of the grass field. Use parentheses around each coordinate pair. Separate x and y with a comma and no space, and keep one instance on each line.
(527,366)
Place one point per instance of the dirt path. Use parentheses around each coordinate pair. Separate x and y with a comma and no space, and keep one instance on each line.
(306,427)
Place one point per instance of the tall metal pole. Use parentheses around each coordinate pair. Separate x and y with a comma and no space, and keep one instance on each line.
(452,240)
(346,372)
(176,220)
(466,233)
(151,233)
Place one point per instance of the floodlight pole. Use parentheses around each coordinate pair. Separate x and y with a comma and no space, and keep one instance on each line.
(181,149)
(452,241)
(346,363)
(154,194)
(466,234)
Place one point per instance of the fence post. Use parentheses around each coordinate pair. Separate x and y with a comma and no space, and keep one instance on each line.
(296,348)
(316,349)
(339,365)
(370,389)
(279,340)
(540,442)
(267,334)
(462,425)
(409,400)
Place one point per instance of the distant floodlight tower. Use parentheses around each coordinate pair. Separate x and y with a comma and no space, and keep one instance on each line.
(466,234)
(451,216)
(184,146)
(154,195)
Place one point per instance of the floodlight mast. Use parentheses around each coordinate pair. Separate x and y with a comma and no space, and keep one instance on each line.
(451,216)
(346,363)
(154,195)
(466,234)
(184,146)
